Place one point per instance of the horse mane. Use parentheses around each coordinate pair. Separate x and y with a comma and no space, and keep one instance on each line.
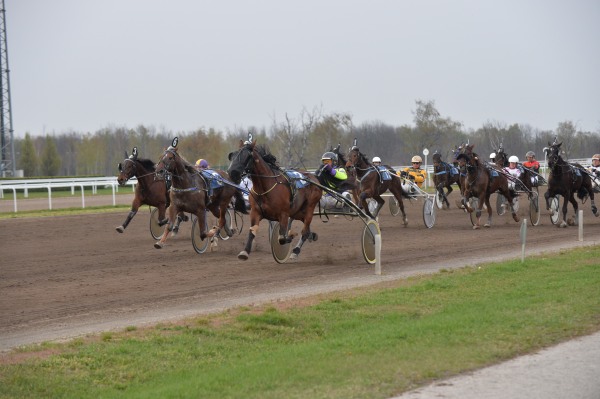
(266,155)
(147,164)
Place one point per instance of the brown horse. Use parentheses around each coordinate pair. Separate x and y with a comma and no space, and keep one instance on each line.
(524,182)
(196,192)
(373,184)
(148,190)
(275,195)
(444,176)
(481,181)
(566,180)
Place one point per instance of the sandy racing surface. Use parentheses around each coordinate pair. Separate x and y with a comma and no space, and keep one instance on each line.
(66,276)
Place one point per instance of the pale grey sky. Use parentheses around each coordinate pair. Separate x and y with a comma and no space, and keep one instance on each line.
(184,64)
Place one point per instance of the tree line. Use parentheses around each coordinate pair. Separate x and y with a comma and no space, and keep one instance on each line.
(297,142)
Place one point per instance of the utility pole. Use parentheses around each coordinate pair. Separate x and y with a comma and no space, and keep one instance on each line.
(7,161)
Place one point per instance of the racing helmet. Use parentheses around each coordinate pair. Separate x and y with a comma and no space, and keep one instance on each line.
(416,158)
(493,155)
(596,156)
(513,158)
(201,163)
(530,154)
(376,159)
(329,155)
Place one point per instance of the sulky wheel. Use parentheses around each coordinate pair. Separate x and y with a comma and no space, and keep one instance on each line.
(156,230)
(429,212)
(281,253)
(368,241)
(554,207)
(199,244)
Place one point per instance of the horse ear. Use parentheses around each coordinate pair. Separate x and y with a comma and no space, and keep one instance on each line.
(134,154)
(126,154)
(241,143)
(230,155)
(559,144)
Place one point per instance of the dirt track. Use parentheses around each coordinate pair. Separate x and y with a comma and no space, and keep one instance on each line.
(66,276)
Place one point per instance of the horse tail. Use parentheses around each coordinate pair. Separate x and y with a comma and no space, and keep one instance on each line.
(240,205)
(582,192)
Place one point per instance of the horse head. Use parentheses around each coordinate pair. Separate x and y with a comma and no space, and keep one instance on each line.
(241,161)
(553,153)
(127,168)
(357,159)
(172,163)
(501,157)
(437,159)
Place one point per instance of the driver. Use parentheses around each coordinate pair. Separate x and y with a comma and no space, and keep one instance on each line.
(512,170)
(328,174)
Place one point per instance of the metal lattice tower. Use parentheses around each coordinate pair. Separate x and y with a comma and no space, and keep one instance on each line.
(7,163)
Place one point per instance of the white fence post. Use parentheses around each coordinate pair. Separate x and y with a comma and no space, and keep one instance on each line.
(378,254)
(580,223)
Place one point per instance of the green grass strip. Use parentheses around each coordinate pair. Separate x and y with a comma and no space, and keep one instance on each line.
(370,343)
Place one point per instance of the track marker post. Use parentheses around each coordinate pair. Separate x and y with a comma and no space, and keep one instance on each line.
(523,238)
(378,254)
(580,223)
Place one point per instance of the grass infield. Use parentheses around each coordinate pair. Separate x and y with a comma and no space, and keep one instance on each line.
(372,342)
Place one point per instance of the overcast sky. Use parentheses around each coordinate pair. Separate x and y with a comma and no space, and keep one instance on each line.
(181,65)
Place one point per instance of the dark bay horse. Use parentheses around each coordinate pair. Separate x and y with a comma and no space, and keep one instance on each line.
(275,195)
(527,175)
(481,181)
(148,191)
(566,180)
(444,176)
(196,192)
(372,183)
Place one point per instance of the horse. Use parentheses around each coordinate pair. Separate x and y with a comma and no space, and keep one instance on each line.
(196,192)
(481,181)
(372,183)
(566,180)
(276,194)
(444,175)
(527,176)
(148,190)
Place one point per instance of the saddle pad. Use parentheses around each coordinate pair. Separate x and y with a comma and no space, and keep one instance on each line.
(494,173)
(215,180)
(577,172)
(297,177)
(384,173)
(454,171)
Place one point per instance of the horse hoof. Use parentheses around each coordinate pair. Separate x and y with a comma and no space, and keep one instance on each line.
(243,255)
(313,237)
(211,233)
(158,245)
(476,227)
(294,256)
(121,229)
(405,221)
(516,217)
(571,222)
(487,225)
(563,224)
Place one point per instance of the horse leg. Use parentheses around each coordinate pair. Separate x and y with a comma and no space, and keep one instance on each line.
(380,203)
(168,227)
(449,187)
(489,209)
(573,201)
(255,219)
(306,235)
(396,189)
(130,216)
(590,190)
(180,218)
(363,202)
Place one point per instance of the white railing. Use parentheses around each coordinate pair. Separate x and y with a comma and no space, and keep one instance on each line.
(72,183)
